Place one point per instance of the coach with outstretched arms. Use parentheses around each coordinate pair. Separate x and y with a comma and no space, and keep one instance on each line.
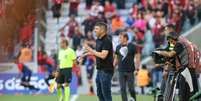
(104,61)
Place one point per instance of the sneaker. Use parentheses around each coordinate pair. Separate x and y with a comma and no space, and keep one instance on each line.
(51,88)
(131,99)
(61,99)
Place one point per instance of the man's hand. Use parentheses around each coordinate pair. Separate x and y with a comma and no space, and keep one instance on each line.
(86,54)
(103,54)
(169,65)
(87,48)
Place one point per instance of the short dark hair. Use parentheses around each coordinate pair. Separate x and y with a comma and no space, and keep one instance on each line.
(124,34)
(102,25)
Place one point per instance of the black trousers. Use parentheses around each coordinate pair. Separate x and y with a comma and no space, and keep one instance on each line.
(127,78)
(183,86)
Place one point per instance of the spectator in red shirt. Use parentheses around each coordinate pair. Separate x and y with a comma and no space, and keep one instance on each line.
(176,20)
(56,8)
(191,12)
(73,9)
(109,9)
(139,39)
(134,10)
(72,24)
(157,34)
(40,54)
(26,33)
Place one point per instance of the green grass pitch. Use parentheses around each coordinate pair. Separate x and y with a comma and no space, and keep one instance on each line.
(54,98)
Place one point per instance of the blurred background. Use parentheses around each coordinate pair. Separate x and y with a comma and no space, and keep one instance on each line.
(34,28)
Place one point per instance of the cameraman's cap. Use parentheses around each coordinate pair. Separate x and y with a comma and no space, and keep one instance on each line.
(173,35)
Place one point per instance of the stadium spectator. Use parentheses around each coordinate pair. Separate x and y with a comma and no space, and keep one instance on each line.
(140,22)
(165,8)
(88,24)
(72,24)
(56,8)
(130,20)
(149,44)
(77,37)
(100,18)
(151,19)
(26,32)
(120,4)
(25,54)
(157,31)
(109,10)
(88,4)
(90,62)
(134,10)
(139,39)
(73,8)
(199,11)
(130,34)
(41,59)
(117,23)
(143,78)
(157,76)
(79,52)
(96,8)
(191,12)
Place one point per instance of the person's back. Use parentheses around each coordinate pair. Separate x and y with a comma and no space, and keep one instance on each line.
(143,78)
(117,23)
(26,55)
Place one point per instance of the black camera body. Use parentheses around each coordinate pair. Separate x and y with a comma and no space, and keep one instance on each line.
(159,59)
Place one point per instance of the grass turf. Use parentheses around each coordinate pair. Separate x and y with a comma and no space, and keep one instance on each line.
(54,98)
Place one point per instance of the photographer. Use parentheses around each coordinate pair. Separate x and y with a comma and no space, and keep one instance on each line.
(187,81)
(167,65)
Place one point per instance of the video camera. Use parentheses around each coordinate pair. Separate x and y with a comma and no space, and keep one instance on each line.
(159,59)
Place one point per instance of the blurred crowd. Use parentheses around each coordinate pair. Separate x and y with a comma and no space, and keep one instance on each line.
(144,25)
